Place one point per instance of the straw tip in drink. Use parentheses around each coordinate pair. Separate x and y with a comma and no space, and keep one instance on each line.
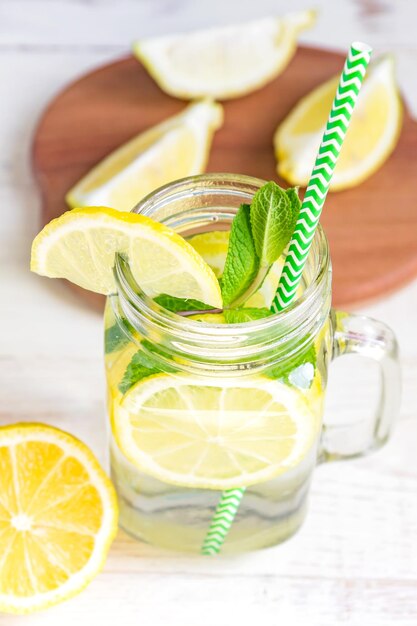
(359,46)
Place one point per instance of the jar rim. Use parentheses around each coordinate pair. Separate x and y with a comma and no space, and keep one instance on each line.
(148,204)
(278,329)
(130,289)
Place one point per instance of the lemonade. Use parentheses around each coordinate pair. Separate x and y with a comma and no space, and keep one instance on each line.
(173,513)
(197,405)
(207,389)
(211,394)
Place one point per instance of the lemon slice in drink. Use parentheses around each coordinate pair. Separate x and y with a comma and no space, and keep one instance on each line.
(213,434)
(372,135)
(176,148)
(212,246)
(223,62)
(80,246)
(208,318)
(58,517)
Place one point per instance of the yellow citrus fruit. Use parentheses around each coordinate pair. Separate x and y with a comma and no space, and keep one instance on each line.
(208,318)
(176,148)
(372,135)
(212,246)
(58,517)
(213,434)
(223,62)
(81,245)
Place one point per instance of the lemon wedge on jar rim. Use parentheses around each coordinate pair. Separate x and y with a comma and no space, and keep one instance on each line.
(372,135)
(81,245)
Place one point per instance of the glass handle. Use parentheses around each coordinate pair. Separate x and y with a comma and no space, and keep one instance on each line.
(354,334)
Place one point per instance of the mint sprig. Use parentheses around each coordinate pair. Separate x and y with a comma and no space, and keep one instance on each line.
(182,305)
(117,336)
(249,314)
(259,234)
(242,262)
(273,215)
(142,365)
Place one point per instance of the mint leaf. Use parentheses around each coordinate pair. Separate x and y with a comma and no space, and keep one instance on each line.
(115,338)
(239,316)
(293,370)
(254,246)
(143,364)
(139,367)
(273,215)
(174,304)
(242,262)
(292,195)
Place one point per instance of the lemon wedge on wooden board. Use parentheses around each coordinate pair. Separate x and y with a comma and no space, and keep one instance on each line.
(372,135)
(58,517)
(176,148)
(225,62)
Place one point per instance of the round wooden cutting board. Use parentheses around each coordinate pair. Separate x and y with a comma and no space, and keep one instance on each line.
(372,228)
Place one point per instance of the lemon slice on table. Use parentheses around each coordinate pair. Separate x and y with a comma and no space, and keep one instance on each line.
(176,148)
(58,517)
(223,62)
(80,246)
(212,246)
(210,434)
(372,135)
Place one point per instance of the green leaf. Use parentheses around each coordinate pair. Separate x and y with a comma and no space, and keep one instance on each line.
(242,262)
(239,316)
(293,370)
(141,365)
(292,195)
(115,338)
(175,304)
(273,215)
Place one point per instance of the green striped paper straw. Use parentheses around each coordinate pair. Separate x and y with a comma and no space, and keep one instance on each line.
(347,93)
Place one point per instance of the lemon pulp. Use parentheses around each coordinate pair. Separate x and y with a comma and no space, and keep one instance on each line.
(176,148)
(58,516)
(372,135)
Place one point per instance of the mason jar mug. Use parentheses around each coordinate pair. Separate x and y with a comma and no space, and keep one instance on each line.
(197,406)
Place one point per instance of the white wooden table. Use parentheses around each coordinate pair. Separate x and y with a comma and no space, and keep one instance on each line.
(355,560)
